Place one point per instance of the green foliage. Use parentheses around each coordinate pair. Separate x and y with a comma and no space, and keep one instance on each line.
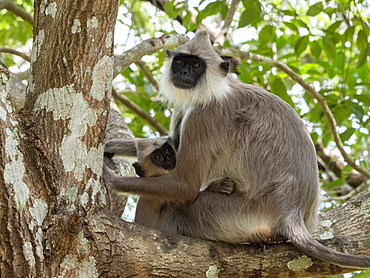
(14,31)
(252,14)
(326,43)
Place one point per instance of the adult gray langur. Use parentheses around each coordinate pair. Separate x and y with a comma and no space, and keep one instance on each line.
(221,128)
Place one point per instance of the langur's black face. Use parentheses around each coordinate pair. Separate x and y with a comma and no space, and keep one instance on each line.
(164,157)
(186,69)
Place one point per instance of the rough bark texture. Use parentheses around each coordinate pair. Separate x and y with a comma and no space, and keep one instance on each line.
(53,149)
(55,216)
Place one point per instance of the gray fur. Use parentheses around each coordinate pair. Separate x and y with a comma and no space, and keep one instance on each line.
(226,128)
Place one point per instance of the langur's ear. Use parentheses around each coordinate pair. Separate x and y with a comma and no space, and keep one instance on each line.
(170,53)
(225,67)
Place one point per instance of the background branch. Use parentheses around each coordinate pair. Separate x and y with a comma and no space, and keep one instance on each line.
(221,37)
(147,74)
(15,52)
(140,112)
(334,165)
(17,10)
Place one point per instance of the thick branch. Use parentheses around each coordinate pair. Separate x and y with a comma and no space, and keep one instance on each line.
(199,257)
(15,52)
(233,52)
(17,10)
(140,112)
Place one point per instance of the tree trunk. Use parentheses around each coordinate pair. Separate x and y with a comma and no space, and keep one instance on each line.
(52,163)
(57,219)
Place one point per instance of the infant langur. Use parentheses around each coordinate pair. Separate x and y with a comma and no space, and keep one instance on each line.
(156,157)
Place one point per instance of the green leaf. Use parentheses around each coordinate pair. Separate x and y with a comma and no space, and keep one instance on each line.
(348,34)
(315,49)
(301,23)
(266,34)
(289,12)
(245,19)
(314,136)
(315,9)
(344,136)
(332,28)
(279,89)
(291,26)
(340,113)
(223,11)
(252,13)
(169,7)
(213,8)
(329,47)
(301,45)
(329,11)
(334,183)
(362,41)
(361,59)
(326,136)
(364,98)
(356,109)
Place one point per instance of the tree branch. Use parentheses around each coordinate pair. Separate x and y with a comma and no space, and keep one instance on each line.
(334,165)
(140,112)
(349,195)
(147,74)
(146,47)
(221,37)
(221,259)
(17,10)
(234,52)
(15,52)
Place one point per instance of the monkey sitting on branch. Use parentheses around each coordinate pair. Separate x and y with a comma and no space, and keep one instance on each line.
(221,128)
(156,157)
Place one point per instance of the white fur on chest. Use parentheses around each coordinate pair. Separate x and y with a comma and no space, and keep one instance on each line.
(207,90)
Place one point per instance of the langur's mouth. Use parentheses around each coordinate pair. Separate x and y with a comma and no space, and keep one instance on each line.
(183,84)
(170,166)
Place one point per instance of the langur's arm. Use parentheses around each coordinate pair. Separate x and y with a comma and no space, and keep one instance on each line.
(126,147)
(181,185)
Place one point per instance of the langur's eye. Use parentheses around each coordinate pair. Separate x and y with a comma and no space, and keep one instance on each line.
(167,150)
(158,157)
(179,62)
(196,65)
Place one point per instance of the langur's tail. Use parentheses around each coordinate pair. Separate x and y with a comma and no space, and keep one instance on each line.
(302,239)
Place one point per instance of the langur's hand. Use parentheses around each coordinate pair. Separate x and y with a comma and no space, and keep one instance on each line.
(110,177)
